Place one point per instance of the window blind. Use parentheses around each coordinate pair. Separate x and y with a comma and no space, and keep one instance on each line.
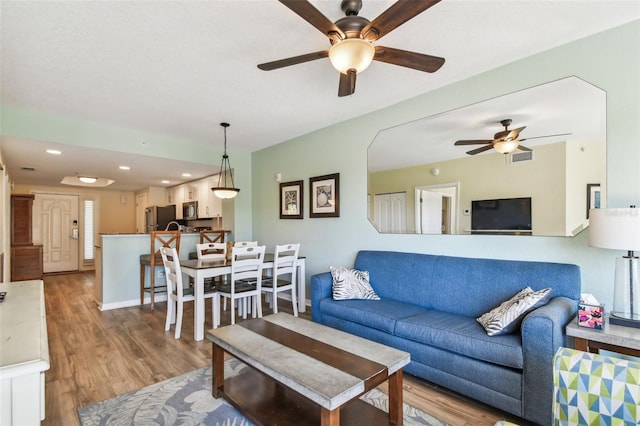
(88,229)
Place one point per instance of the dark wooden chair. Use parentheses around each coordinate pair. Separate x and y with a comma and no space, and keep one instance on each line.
(154,259)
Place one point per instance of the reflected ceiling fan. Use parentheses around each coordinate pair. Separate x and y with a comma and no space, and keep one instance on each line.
(352,38)
(505,141)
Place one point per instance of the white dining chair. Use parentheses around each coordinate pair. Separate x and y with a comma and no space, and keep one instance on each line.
(213,251)
(283,277)
(245,244)
(177,295)
(246,265)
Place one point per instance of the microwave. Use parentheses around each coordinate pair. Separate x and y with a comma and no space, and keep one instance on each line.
(190,210)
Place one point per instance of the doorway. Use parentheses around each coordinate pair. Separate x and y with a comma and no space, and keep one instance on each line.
(56,227)
(436,209)
(141,204)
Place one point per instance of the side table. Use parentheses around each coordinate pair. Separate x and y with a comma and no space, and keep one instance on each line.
(615,338)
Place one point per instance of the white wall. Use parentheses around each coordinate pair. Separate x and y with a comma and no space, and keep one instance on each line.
(341,148)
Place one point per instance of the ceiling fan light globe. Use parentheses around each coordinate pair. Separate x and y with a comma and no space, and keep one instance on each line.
(506,147)
(87,179)
(351,54)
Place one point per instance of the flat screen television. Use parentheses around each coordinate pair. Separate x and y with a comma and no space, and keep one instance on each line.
(507,214)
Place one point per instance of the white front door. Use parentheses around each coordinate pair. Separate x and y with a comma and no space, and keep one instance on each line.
(55,226)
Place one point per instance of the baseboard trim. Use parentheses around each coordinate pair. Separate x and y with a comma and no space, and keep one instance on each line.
(163,298)
(130,303)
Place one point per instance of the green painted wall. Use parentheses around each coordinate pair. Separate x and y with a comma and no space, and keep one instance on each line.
(27,124)
(341,148)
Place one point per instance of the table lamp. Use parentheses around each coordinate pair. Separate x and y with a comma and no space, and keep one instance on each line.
(619,229)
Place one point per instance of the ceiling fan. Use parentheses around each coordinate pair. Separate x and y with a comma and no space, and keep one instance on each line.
(505,141)
(352,38)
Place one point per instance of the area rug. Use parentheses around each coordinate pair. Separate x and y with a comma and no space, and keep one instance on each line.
(187,400)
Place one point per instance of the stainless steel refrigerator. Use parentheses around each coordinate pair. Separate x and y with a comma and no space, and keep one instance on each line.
(157,218)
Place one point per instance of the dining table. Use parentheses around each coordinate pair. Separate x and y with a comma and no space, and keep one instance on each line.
(199,270)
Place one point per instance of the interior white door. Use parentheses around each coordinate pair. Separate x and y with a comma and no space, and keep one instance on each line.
(430,212)
(390,212)
(55,226)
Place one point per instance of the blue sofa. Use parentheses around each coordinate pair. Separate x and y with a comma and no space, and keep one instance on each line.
(428,307)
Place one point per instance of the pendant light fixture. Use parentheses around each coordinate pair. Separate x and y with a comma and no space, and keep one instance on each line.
(223,190)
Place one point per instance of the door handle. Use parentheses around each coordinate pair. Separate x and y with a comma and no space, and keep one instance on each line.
(74,234)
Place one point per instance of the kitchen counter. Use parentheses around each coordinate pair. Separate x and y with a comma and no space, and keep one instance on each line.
(118,267)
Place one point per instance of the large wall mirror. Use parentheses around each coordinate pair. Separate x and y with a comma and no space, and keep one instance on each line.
(420,181)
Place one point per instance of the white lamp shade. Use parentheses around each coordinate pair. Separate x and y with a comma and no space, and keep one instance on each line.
(225,193)
(506,147)
(351,54)
(616,229)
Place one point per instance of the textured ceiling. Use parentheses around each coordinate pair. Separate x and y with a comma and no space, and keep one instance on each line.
(178,68)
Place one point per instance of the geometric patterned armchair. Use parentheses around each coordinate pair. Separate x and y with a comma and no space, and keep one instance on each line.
(593,389)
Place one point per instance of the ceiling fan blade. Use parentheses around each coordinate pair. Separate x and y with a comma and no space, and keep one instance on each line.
(396,15)
(309,13)
(472,142)
(547,136)
(479,150)
(404,58)
(347,84)
(294,60)
(524,148)
(513,134)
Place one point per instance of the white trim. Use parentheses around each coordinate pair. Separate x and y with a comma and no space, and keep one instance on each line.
(161,298)
(130,303)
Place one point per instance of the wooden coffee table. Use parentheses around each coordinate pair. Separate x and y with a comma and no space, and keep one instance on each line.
(304,373)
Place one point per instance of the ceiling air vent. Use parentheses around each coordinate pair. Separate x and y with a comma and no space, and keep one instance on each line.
(518,157)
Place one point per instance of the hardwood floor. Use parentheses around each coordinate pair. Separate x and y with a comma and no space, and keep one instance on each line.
(97,355)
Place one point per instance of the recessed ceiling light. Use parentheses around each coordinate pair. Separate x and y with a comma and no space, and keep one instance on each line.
(186,175)
(87,179)
(124,168)
(166,181)
(54,152)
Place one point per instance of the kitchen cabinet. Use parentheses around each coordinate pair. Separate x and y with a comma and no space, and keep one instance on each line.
(209,206)
(170,195)
(191,191)
(175,197)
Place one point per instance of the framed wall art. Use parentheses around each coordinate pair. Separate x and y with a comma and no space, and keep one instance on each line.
(291,196)
(325,196)
(593,197)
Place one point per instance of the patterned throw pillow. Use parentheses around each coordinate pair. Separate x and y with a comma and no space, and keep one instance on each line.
(351,284)
(506,318)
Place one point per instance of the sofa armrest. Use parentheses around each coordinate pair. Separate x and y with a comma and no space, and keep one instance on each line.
(543,332)
(320,288)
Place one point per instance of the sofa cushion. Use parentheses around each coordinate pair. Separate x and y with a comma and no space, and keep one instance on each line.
(351,284)
(379,314)
(507,317)
(462,335)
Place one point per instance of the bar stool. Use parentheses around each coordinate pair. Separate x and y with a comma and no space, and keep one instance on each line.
(158,239)
(212,236)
